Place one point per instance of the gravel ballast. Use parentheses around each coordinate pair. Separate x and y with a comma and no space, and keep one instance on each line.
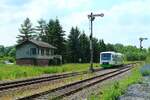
(139,91)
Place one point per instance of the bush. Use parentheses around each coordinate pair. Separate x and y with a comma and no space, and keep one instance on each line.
(135,56)
(10,59)
(146,73)
(54,61)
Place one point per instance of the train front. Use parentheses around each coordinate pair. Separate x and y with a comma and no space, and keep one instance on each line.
(106,59)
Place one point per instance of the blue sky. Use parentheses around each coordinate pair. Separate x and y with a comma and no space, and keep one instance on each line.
(124,21)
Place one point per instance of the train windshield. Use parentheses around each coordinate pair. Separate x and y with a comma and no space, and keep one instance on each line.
(105,56)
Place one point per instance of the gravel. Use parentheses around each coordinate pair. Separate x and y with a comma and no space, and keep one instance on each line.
(140,91)
(48,96)
(85,93)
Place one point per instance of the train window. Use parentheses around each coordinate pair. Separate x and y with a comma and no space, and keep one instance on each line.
(113,57)
(106,56)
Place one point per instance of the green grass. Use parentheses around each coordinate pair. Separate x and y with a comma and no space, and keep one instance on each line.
(146,72)
(148,58)
(112,90)
(11,72)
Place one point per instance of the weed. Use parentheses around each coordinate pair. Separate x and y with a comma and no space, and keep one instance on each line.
(11,72)
(146,72)
(113,90)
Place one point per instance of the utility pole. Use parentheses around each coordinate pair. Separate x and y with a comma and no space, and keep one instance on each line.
(141,40)
(91,17)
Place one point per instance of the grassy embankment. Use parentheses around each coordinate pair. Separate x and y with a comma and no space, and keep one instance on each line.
(146,69)
(11,72)
(112,90)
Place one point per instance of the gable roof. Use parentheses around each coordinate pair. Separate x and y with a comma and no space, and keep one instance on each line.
(38,43)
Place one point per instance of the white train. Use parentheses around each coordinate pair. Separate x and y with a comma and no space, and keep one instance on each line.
(110,59)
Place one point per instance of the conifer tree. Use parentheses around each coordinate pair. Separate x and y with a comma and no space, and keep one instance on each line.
(26,31)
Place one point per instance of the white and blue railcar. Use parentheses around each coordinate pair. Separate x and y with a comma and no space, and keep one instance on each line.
(110,59)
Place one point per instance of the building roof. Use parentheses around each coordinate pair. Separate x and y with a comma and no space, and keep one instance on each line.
(38,43)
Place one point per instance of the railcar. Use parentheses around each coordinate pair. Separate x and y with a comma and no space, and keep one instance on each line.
(110,59)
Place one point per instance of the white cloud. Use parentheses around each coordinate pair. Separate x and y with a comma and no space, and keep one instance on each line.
(70,4)
(122,23)
(12,16)
(125,23)
(79,19)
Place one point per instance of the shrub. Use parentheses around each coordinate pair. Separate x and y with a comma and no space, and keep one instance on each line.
(10,59)
(146,72)
(135,56)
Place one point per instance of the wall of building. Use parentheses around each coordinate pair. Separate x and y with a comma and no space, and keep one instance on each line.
(36,62)
(24,51)
(25,62)
(50,56)
(42,62)
(24,57)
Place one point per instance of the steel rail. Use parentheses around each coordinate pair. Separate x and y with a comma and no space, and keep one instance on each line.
(19,83)
(78,88)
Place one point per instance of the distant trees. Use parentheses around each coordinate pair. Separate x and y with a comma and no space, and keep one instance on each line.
(76,47)
(98,46)
(54,35)
(73,45)
(110,47)
(84,48)
(2,50)
(7,53)
(41,30)
(96,50)
(131,53)
(102,46)
(26,31)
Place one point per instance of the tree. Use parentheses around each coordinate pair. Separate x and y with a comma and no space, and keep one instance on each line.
(59,40)
(96,50)
(12,52)
(26,31)
(2,50)
(50,32)
(73,45)
(110,47)
(102,46)
(54,35)
(149,49)
(119,48)
(84,48)
(41,30)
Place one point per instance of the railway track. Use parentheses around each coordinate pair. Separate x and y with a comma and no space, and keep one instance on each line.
(20,83)
(72,88)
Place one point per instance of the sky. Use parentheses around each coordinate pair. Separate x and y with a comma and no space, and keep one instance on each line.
(124,21)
